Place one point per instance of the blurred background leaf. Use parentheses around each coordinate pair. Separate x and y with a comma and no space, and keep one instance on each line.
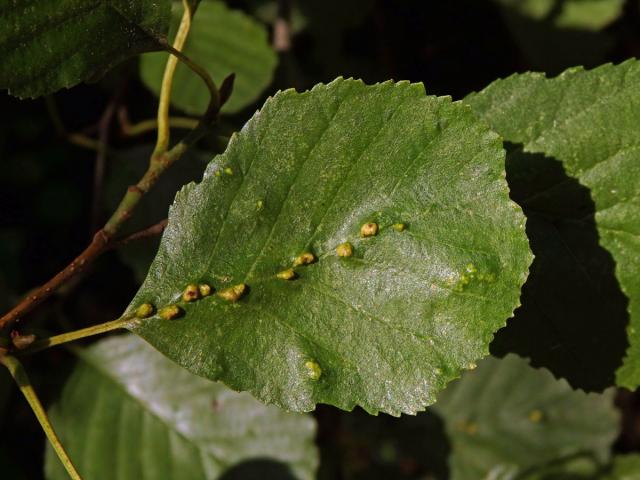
(128,412)
(223,41)
(506,418)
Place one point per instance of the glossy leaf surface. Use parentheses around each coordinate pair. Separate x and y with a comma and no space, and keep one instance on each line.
(587,121)
(55,44)
(385,328)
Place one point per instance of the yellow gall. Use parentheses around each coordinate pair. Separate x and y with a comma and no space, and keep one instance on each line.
(287,274)
(204,289)
(191,293)
(344,250)
(233,294)
(170,312)
(536,416)
(145,310)
(369,229)
(228,171)
(399,227)
(304,259)
(313,369)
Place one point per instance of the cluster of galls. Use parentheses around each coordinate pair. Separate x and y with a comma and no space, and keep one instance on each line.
(191,293)
(194,292)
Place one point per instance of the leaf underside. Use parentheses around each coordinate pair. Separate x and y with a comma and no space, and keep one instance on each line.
(128,413)
(505,419)
(55,44)
(385,328)
(587,120)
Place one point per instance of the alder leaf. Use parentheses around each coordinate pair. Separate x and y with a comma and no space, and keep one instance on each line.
(572,285)
(385,328)
(588,121)
(223,41)
(55,44)
(575,14)
(127,412)
(506,420)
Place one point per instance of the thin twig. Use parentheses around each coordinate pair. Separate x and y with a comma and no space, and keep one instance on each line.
(214,94)
(144,126)
(149,232)
(95,248)
(22,380)
(77,139)
(98,246)
(162,143)
(160,161)
(101,158)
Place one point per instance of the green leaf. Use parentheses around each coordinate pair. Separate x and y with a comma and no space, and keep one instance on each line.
(505,419)
(59,43)
(223,41)
(576,14)
(389,326)
(588,121)
(572,287)
(625,467)
(556,34)
(127,412)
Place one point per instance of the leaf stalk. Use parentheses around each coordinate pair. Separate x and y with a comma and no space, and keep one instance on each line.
(24,384)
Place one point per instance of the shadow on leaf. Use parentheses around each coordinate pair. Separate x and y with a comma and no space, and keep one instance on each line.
(573,316)
(259,468)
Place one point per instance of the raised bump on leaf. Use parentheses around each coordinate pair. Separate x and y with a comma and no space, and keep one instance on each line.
(313,369)
(145,310)
(305,258)
(205,289)
(287,274)
(369,229)
(233,294)
(191,293)
(170,312)
(344,250)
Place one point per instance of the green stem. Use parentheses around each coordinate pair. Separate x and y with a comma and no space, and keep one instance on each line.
(162,143)
(22,380)
(77,335)
(214,94)
(161,158)
(144,126)
(160,161)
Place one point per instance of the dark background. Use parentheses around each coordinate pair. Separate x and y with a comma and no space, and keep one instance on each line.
(46,184)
